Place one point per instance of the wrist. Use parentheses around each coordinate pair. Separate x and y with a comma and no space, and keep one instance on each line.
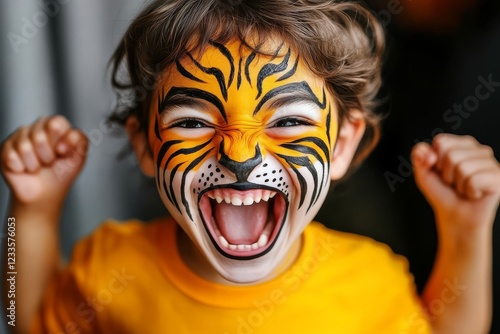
(49,210)
(454,237)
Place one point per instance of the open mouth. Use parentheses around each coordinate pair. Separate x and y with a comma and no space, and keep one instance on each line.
(243,224)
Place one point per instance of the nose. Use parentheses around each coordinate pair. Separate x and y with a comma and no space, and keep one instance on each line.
(240,169)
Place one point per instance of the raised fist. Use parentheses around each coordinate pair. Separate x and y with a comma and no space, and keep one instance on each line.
(40,162)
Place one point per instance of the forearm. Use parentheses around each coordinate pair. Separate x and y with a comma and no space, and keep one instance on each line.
(459,292)
(37,255)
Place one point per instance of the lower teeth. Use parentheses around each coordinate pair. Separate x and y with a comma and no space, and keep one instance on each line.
(263,239)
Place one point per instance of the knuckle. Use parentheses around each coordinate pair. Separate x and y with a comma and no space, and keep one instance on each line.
(440,139)
(451,158)
(57,121)
(463,169)
(39,138)
(469,138)
(487,150)
(23,129)
(24,147)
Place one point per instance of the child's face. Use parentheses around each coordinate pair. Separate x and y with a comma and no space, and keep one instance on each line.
(242,145)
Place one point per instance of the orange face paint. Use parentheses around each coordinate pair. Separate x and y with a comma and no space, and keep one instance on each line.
(242,143)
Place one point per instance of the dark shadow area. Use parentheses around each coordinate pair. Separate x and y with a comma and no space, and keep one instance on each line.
(435,60)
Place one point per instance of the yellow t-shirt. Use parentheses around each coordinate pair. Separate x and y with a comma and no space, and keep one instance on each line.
(129,278)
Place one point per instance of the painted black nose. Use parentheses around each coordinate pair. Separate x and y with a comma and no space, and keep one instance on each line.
(240,169)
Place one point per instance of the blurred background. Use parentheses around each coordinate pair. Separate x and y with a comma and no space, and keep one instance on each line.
(53,58)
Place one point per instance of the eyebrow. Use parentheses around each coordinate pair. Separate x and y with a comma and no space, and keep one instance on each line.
(189,97)
(301,92)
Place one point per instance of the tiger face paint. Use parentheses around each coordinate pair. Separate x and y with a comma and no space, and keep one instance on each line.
(242,144)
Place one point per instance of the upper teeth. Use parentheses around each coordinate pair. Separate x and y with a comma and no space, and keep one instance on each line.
(250,198)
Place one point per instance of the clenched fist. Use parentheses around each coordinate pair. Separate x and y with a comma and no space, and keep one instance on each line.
(40,162)
(461,180)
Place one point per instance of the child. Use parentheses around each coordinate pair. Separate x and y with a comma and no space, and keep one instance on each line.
(251,110)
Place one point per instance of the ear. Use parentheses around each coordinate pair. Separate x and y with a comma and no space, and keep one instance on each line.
(140,146)
(350,134)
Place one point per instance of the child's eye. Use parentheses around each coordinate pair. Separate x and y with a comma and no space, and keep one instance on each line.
(189,124)
(287,122)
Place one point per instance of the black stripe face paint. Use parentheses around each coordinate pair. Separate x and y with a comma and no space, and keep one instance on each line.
(242,141)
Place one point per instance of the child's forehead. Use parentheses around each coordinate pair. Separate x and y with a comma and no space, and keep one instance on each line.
(271,48)
(240,81)
(238,58)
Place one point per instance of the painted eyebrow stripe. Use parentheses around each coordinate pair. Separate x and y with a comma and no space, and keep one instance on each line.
(186,73)
(270,69)
(239,74)
(291,72)
(229,57)
(249,60)
(216,72)
(276,53)
(194,93)
(291,88)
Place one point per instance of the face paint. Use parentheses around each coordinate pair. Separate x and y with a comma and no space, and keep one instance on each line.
(242,145)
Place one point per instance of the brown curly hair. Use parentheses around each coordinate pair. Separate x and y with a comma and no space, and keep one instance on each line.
(342,42)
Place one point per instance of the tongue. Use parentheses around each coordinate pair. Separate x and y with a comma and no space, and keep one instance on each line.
(241,225)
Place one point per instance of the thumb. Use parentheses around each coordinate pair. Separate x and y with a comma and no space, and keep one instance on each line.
(424,158)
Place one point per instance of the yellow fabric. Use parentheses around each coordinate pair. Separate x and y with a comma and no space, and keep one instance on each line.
(129,278)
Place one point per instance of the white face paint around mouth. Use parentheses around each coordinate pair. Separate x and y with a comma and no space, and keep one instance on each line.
(243,224)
